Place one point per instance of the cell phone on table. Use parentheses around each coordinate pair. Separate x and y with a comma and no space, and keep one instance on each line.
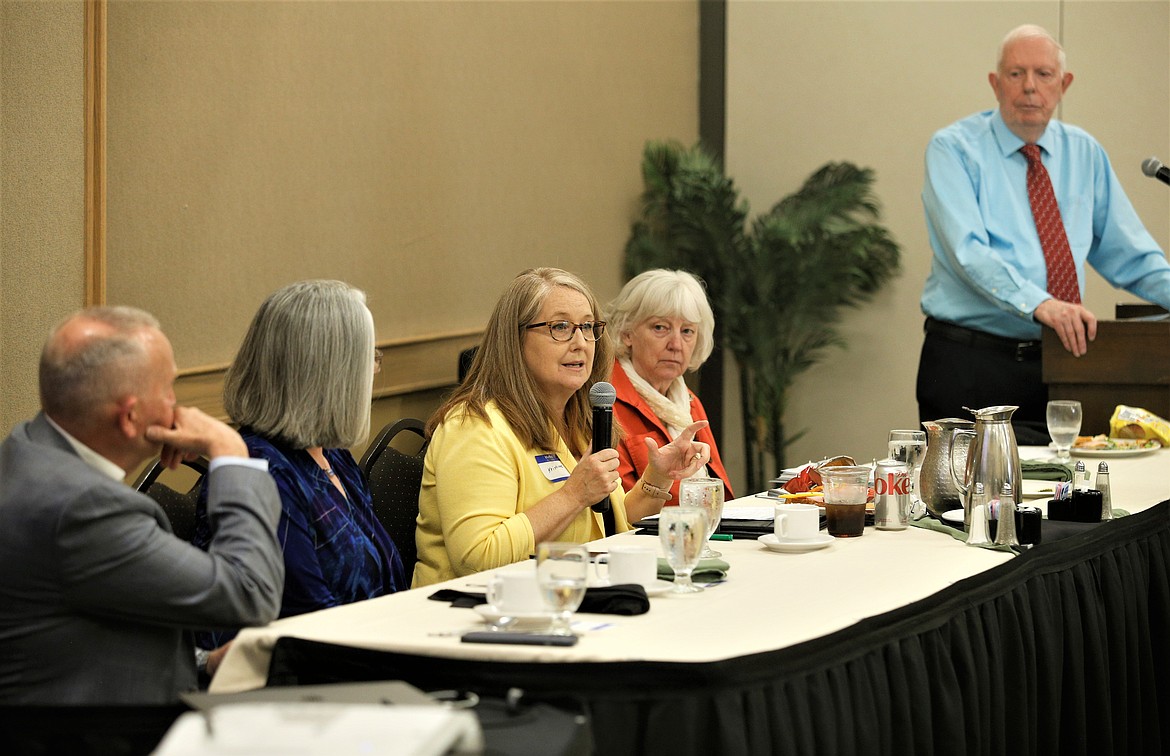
(524,639)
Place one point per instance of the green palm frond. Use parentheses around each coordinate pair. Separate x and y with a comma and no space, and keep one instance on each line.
(779,290)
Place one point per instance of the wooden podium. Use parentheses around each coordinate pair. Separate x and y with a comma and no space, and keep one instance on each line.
(1128,363)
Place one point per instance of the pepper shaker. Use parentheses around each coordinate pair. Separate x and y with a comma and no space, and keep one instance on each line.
(1103,487)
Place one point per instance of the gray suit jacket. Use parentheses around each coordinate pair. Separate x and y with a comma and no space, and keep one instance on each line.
(96,594)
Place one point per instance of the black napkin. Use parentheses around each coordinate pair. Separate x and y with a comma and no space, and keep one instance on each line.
(458,599)
(614,599)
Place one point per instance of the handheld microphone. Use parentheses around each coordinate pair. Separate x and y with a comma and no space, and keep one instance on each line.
(1153,168)
(602,396)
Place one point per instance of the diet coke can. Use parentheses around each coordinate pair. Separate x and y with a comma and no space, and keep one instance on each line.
(891,502)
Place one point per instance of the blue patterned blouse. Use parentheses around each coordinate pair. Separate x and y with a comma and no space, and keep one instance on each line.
(335,549)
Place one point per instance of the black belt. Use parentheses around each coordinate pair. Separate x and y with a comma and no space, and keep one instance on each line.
(1022,351)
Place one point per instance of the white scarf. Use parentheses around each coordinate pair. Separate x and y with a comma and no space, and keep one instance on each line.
(674,409)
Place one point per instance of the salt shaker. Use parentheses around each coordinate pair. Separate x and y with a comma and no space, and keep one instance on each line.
(1005,534)
(1103,486)
(1080,477)
(977,529)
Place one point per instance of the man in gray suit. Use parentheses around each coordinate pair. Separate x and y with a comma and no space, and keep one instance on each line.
(96,595)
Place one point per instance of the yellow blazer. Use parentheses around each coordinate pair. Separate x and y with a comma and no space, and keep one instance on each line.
(478,480)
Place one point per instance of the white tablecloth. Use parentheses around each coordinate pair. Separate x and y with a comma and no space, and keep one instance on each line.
(770,600)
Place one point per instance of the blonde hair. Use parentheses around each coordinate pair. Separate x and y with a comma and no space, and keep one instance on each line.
(663,293)
(305,369)
(499,374)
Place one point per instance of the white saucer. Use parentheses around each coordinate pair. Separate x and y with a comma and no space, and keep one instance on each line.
(795,547)
(656,588)
(489,613)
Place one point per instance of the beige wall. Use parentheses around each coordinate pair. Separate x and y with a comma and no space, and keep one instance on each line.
(869,82)
(426,152)
(42,166)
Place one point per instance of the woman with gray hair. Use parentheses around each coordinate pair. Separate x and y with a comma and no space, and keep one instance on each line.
(299,390)
(664,327)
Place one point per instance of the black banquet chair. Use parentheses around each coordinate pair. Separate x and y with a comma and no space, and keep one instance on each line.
(393,466)
(178,504)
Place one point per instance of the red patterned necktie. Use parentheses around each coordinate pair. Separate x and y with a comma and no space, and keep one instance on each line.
(1062,272)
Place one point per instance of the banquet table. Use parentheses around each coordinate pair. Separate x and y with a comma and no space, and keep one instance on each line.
(895,642)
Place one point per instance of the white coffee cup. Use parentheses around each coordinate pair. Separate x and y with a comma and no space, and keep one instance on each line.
(797,522)
(514,589)
(631,564)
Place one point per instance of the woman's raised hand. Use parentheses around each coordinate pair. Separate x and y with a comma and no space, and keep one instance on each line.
(682,457)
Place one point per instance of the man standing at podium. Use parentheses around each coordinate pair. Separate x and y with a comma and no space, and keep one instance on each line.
(1015,204)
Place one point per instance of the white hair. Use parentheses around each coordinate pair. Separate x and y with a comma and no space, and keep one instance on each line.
(664,294)
(1029,31)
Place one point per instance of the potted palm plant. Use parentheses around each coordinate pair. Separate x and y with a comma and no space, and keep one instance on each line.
(778,289)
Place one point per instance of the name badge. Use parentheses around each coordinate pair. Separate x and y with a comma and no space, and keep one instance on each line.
(552,467)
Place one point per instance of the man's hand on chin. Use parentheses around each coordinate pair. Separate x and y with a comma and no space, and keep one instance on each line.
(195,433)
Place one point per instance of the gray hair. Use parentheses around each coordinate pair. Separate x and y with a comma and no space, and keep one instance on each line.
(1027,31)
(665,294)
(78,377)
(305,369)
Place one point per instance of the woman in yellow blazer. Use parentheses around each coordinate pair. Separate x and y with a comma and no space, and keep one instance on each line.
(509,463)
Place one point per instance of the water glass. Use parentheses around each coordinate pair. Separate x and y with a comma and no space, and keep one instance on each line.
(682,532)
(1064,425)
(706,494)
(562,570)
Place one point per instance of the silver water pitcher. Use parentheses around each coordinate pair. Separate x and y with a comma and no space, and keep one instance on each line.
(936,484)
(993,458)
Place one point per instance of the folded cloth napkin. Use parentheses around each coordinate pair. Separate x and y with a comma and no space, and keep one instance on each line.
(614,599)
(459,599)
(707,571)
(1037,470)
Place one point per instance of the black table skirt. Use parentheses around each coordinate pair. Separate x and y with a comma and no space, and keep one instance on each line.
(1064,650)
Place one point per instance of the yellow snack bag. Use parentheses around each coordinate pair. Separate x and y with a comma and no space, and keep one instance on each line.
(1135,422)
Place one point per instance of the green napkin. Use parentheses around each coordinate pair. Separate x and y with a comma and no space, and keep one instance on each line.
(707,571)
(929,523)
(1037,470)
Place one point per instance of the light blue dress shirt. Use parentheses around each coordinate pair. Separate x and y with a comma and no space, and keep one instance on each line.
(988,270)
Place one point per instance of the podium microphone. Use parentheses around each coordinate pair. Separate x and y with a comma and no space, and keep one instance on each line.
(1153,168)
(602,396)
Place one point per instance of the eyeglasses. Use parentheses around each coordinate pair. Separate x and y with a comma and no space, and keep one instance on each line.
(563,330)
(377,361)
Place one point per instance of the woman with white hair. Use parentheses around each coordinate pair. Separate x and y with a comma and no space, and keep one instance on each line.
(664,327)
(299,390)
(509,462)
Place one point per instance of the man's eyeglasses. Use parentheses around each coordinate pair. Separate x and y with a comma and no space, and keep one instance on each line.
(563,330)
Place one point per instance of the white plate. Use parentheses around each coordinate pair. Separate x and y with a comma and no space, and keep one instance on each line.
(1114,452)
(953,517)
(795,547)
(489,613)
